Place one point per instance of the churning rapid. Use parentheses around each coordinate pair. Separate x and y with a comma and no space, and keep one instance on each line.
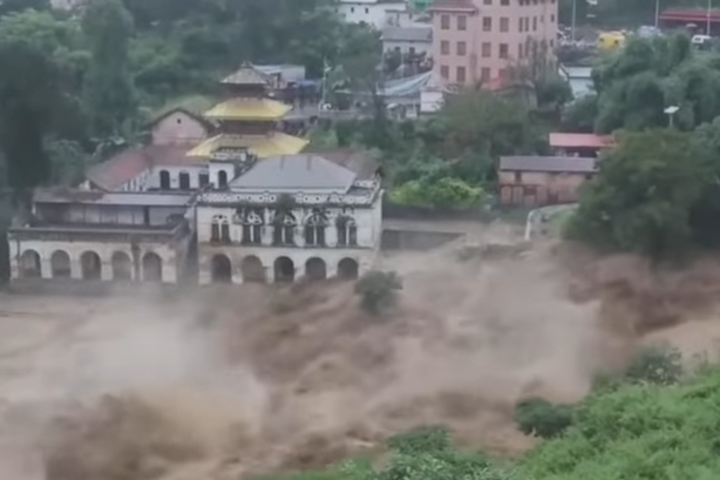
(254,379)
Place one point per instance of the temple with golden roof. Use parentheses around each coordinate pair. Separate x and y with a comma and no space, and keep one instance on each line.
(248,119)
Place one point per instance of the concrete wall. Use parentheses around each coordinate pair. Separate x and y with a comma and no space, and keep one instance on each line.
(130,215)
(178,128)
(415,240)
(538,188)
(173,257)
(372,12)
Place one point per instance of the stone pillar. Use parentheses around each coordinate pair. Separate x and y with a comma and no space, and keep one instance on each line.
(106,271)
(46,268)
(331,235)
(75,268)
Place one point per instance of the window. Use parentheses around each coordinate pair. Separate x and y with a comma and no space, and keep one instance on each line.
(315,230)
(552,18)
(486,50)
(284,231)
(444,72)
(502,74)
(203,180)
(184,181)
(164,180)
(220,229)
(518,177)
(527,24)
(445,22)
(462,22)
(347,231)
(487,2)
(487,24)
(505,3)
(521,23)
(444,47)
(534,24)
(222,179)
(460,75)
(484,74)
(552,43)
(367,10)
(504,24)
(252,227)
(520,51)
(504,51)
(461,49)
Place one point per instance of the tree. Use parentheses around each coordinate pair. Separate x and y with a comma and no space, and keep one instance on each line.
(378,291)
(643,196)
(445,192)
(109,91)
(540,418)
(11,6)
(30,97)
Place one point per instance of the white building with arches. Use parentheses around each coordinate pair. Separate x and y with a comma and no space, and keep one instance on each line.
(291,216)
(99,236)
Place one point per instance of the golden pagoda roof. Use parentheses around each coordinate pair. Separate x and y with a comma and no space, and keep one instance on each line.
(276,143)
(247,75)
(249,109)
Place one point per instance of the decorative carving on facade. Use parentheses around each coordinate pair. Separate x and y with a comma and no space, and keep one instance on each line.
(266,198)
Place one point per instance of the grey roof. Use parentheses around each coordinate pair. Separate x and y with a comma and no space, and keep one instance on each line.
(407,34)
(301,172)
(548,164)
(88,197)
(247,74)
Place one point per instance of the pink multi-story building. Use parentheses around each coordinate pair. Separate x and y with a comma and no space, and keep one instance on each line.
(481,40)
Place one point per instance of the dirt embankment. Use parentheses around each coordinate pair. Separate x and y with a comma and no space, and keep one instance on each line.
(301,378)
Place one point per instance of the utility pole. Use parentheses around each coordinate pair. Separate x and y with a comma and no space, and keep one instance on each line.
(574,20)
(709,11)
(657,13)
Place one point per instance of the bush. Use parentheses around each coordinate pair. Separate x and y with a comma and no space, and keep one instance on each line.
(428,439)
(445,192)
(378,290)
(540,418)
(660,365)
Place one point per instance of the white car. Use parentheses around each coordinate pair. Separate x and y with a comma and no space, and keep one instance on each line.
(699,40)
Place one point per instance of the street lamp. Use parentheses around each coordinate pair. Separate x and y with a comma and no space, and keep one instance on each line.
(707,15)
(670,112)
(657,13)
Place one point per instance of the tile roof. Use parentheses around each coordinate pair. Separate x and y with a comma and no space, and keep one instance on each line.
(123,167)
(548,164)
(360,162)
(247,74)
(407,34)
(251,109)
(65,195)
(263,146)
(579,140)
(296,172)
(207,124)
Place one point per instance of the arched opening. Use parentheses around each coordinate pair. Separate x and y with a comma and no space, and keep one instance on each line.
(222,179)
(30,265)
(152,267)
(60,264)
(203,180)
(184,179)
(315,269)
(284,270)
(252,269)
(348,269)
(164,180)
(221,269)
(91,266)
(121,266)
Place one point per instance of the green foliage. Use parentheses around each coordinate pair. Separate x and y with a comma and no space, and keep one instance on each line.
(645,196)
(540,418)
(427,439)
(445,192)
(378,291)
(660,365)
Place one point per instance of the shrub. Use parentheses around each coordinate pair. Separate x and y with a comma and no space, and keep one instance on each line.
(660,365)
(378,290)
(427,439)
(540,418)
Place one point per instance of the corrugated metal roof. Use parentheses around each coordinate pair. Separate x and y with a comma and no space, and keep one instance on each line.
(362,163)
(407,34)
(155,199)
(296,172)
(579,140)
(548,164)
(463,5)
(247,75)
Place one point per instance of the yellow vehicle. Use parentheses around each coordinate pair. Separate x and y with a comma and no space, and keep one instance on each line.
(611,40)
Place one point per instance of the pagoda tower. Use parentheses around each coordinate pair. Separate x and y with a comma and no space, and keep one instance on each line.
(248,120)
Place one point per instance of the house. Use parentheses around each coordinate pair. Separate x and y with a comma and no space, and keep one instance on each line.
(370,12)
(180,126)
(480,40)
(579,144)
(538,180)
(289,216)
(102,236)
(407,40)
